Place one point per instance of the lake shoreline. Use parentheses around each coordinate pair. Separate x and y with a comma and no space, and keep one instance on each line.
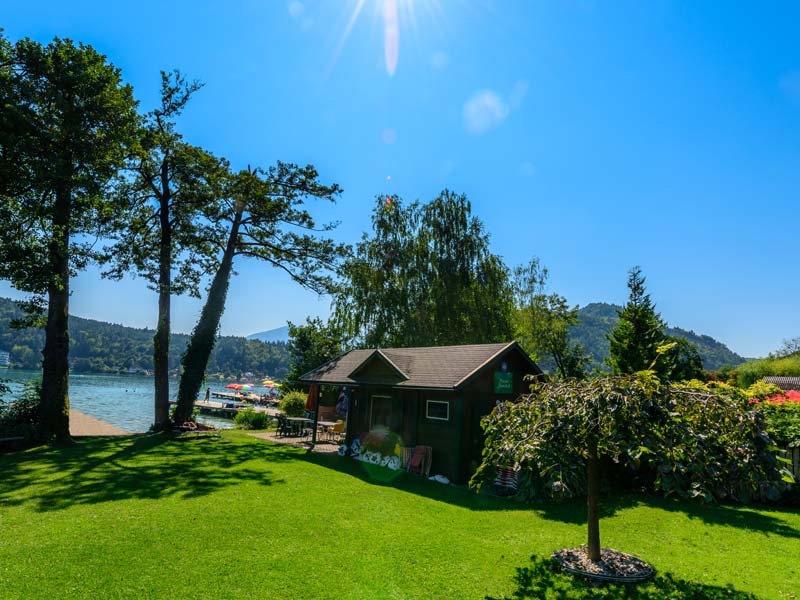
(82,425)
(122,401)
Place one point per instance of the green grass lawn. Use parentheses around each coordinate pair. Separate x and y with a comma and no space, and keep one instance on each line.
(238,517)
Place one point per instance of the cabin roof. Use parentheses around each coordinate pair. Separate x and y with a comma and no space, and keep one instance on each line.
(432,367)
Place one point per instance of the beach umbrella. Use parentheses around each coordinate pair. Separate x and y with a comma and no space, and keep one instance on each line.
(245,387)
(311,400)
(232,386)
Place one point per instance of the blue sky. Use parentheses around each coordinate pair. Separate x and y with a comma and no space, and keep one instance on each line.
(596,136)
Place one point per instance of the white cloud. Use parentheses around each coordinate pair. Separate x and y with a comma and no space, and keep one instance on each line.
(518,93)
(389,136)
(484,111)
(790,84)
(296,9)
(439,61)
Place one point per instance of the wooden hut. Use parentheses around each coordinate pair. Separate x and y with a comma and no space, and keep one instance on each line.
(434,396)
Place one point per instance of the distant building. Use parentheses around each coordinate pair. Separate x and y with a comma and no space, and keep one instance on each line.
(785,383)
(5,359)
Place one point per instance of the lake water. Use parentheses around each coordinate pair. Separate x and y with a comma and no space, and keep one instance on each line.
(122,400)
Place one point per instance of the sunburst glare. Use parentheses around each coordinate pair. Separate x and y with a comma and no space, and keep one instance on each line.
(391,35)
(393,14)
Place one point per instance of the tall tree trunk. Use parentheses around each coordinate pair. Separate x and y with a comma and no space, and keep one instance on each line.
(55,365)
(592,495)
(161,339)
(204,336)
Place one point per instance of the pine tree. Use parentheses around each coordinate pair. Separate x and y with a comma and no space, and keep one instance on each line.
(66,125)
(640,331)
(262,216)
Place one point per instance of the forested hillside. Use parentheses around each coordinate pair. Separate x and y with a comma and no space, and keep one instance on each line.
(99,347)
(599,319)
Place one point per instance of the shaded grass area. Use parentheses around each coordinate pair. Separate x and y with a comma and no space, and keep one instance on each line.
(237,517)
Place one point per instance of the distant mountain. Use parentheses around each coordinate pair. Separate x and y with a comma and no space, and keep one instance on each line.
(279,334)
(599,318)
(98,347)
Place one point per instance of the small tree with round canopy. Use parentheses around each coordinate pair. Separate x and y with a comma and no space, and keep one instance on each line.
(603,417)
(697,440)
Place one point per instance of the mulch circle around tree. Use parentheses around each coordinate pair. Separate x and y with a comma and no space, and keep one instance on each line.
(613,566)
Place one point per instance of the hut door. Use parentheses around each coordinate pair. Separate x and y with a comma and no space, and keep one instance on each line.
(385,411)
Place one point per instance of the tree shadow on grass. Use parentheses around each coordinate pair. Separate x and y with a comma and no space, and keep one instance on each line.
(568,511)
(544,579)
(457,495)
(149,466)
(743,517)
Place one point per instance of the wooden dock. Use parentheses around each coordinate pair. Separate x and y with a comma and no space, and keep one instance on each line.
(227,396)
(228,410)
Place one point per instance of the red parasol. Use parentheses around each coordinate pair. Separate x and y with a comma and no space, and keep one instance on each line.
(311,400)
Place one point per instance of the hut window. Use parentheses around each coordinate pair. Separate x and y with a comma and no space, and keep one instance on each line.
(438,410)
(380,412)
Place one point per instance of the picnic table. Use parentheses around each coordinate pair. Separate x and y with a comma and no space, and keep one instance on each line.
(298,424)
(325,426)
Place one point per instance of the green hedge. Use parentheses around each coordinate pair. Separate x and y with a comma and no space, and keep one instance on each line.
(250,419)
(782,422)
(293,404)
(20,417)
(689,439)
(754,370)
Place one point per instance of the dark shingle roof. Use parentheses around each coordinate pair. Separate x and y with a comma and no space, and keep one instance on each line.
(785,383)
(443,367)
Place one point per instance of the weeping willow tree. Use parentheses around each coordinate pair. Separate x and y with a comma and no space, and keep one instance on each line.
(261,216)
(424,276)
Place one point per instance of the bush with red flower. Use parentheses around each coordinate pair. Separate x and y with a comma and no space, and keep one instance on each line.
(383,441)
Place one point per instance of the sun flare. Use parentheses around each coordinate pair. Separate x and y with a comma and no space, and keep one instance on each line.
(393,15)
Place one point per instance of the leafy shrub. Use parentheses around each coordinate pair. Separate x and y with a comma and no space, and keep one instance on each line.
(782,422)
(544,579)
(293,404)
(21,417)
(691,439)
(250,419)
(754,370)
(761,390)
(718,447)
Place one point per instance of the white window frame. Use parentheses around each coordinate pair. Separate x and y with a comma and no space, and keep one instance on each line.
(427,412)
